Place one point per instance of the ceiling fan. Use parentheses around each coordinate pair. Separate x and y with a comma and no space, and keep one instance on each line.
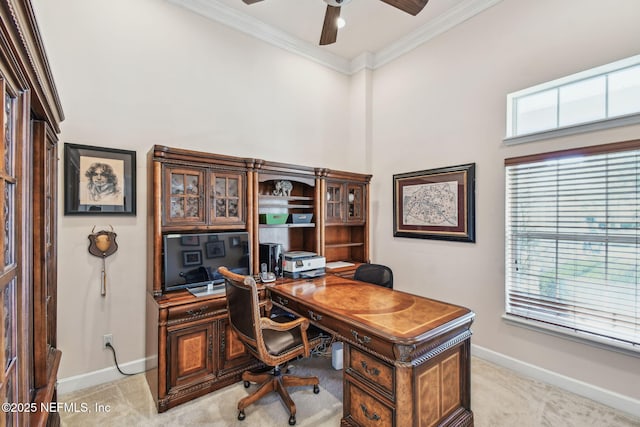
(330,27)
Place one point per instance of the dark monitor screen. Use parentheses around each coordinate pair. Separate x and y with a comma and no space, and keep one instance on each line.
(192,260)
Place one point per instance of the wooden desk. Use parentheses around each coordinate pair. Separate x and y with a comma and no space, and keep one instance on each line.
(406,358)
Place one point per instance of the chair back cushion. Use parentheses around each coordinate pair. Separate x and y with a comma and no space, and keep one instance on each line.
(242,303)
(376,274)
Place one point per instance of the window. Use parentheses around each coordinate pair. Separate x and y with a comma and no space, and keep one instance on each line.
(601,97)
(573,242)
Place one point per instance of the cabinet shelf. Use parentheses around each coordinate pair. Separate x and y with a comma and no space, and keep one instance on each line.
(284,206)
(343,245)
(305,225)
(286,199)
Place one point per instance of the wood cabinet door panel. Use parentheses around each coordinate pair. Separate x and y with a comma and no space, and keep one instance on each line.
(191,354)
(184,195)
(227,198)
(355,203)
(233,354)
(335,203)
(438,386)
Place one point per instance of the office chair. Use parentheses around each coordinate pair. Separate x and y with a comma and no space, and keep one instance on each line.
(274,341)
(376,274)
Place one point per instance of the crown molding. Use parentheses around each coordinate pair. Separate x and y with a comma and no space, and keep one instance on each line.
(235,19)
(440,24)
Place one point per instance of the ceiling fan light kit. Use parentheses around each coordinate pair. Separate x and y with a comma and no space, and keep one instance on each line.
(337,3)
(330,26)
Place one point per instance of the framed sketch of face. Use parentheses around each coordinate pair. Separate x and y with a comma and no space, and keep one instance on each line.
(99,180)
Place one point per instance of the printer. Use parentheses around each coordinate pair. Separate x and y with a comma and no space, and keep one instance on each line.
(302,264)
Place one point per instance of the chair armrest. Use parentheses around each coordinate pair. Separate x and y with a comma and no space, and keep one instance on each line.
(301,322)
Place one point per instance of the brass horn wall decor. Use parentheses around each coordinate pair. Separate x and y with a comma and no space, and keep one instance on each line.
(102,244)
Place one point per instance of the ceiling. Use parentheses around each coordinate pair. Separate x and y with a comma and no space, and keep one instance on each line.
(375,32)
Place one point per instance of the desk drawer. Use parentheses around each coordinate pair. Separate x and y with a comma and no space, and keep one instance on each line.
(365,409)
(371,369)
(288,304)
(198,310)
(337,326)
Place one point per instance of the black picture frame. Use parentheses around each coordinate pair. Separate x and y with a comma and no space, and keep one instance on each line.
(435,204)
(190,240)
(191,258)
(215,249)
(115,195)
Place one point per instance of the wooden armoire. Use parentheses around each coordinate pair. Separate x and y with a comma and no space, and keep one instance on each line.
(30,118)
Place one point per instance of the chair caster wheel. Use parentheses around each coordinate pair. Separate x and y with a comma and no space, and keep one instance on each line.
(241,415)
(247,384)
(316,389)
(292,420)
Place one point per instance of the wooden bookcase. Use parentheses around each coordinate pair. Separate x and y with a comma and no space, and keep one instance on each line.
(190,348)
(30,118)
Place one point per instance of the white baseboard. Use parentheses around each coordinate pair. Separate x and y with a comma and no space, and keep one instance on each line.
(606,397)
(90,379)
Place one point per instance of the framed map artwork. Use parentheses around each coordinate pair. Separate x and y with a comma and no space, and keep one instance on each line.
(435,204)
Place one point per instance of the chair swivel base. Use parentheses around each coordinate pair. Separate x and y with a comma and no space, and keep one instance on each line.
(274,381)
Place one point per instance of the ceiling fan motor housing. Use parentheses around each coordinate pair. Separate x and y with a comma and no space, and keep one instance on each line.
(336,3)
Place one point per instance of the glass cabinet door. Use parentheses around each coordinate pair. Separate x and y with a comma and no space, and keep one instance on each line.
(227,203)
(335,202)
(355,203)
(184,195)
(11,311)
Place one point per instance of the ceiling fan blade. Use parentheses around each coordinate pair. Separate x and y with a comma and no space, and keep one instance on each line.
(412,7)
(330,27)
(251,1)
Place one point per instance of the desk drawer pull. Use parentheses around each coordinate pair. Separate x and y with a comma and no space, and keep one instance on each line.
(373,371)
(282,301)
(364,340)
(316,317)
(365,411)
(197,312)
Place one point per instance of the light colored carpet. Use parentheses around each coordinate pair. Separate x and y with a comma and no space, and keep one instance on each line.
(499,398)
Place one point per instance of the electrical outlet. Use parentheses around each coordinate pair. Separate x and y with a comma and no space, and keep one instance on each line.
(107,339)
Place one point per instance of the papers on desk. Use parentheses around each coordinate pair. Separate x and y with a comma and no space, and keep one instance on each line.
(338,264)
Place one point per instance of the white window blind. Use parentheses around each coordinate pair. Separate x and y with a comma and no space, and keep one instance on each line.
(573,241)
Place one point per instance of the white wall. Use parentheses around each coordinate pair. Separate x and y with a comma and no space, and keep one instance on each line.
(444,104)
(132,74)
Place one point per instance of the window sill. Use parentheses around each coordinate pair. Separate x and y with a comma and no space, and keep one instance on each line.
(580,337)
(631,119)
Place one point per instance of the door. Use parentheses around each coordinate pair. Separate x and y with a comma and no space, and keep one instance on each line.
(184,194)
(191,358)
(355,203)
(335,202)
(226,206)
(232,351)
(45,159)
(13,285)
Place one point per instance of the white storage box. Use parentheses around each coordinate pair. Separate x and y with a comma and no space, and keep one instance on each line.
(336,355)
